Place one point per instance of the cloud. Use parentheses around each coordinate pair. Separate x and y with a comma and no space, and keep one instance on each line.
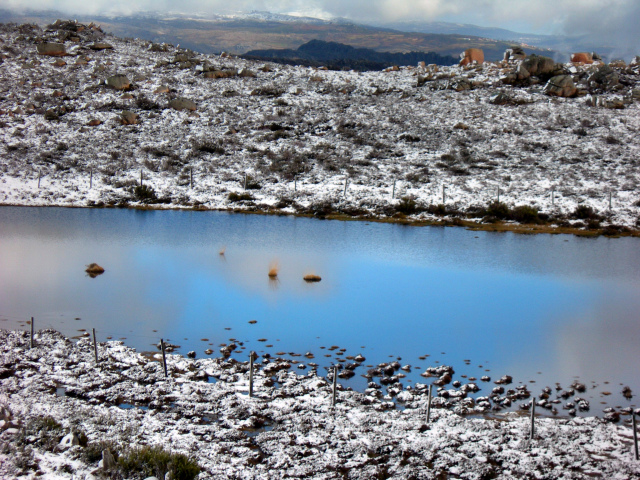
(609,21)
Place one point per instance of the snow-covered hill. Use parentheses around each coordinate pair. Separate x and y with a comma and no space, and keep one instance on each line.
(293,136)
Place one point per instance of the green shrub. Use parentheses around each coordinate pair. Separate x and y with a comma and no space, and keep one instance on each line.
(239,197)
(440,209)
(92,453)
(583,212)
(155,461)
(144,193)
(407,206)
(44,432)
(524,214)
(498,209)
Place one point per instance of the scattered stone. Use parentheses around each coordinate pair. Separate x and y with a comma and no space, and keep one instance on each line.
(582,57)
(119,82)
(128,118)
(101,46)
(52,49)
(472,55)
(94,269)
(561,86)
(191,354)
(161,89)
(69,441)
(108,462)
(183,104)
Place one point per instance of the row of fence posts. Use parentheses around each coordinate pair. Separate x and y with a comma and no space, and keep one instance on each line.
(532,430)
(346,183)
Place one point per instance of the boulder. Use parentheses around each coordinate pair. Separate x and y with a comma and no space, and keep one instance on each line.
(500,99)
(161,89)
(538,66)
(183,104)
(128,118)
(561,86)
(94,122)
(604,77)
(245,72)
(635,94)
(582,57)
(101,46)
(513,54)
(635,62)
(59,63)
(472,55)
(119,82)
(69,441)
(52,49)
(108,461)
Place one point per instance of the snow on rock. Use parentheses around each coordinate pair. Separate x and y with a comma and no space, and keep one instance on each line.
(289,431)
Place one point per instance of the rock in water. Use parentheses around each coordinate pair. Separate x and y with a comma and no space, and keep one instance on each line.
(119,82)
(52,49)
(561,86)
(93,269)
(312,278)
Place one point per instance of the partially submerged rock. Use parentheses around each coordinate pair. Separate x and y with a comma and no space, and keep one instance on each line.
(311,278)
(93,269)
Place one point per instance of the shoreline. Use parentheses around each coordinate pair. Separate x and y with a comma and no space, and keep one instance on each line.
(288,429)
(497,227)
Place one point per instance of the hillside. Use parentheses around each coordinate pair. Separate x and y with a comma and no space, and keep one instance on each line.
(219,132)
(337,56)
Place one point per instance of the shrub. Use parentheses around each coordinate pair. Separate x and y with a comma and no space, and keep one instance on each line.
(42,431)
(498,209)
(239,197)
(524,214)
(440,209)
(407,206)
(155,461)
(584,212)
(144,193)
(92,453)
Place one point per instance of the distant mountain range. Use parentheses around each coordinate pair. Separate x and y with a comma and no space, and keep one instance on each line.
(337,56)
(240,34)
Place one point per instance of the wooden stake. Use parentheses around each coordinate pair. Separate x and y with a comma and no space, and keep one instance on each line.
(609,201)
(164,358)
(635,434)
(191,178)
(31,333)
(91,178)
(393,192)
(498,194)
(444,200)
(250,374)
(95,345)
(533,418)
(140,177)
(346,181)
(39,176)
(245,181)
(429,403)
(335,385)
(295,184)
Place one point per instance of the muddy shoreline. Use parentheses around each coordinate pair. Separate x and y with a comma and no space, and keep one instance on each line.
(288,429)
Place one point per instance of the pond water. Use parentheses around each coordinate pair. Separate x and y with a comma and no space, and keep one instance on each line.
(544,309)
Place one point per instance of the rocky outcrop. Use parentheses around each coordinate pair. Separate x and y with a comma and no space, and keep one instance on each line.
(472,55)
(532,70)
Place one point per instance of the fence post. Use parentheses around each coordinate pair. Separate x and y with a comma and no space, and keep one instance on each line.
(91,178)
(609,201)
(245,181)
(346,180)
(335,384)
(443,195)
(429,403)
(635,434)
(295,184)
(95,345)
(393,192)
(39,176)
(533,418)
(553,197)
(250,374)
(140,177)
(164,358)
(191,178)
(498,194)
(31,333)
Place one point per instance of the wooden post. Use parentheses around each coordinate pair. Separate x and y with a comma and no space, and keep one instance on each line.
(429,403)
(164,358)
(393,192)
(635,434)
(553,197)
(39,176)
(609,201)
(295,184)
(140,177)
(443,195)
(245,181)
(191,178)
(335,385)
(533,418)
(498,194)
(95,345)
(250,374)
(31,333)
(346,181)
(91,178)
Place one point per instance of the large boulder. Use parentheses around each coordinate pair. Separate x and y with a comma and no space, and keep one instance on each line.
(539,66)
(605,77)
(119,82)
(561,86)
(582,57)
(51,49)
(472,55)
(183,104)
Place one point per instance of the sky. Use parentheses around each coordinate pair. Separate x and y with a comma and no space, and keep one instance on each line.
(613,20)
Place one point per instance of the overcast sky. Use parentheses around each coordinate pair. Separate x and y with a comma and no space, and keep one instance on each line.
(616,20)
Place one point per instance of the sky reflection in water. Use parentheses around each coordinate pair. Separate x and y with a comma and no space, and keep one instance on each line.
(516,305)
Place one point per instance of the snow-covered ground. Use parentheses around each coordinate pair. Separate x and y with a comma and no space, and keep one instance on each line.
(299,134)
(289,429)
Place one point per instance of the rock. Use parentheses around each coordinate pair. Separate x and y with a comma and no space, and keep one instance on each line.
(614,104)
(582,57)
(69,441)
(311,278)
(208,351)
(151,478)
(119,82)
(101,46)
(183,104)
(513,54)
(539,66)
(472,55)
(191,354)
(59,63)
(161,89)
(561,86)
(605,77)
(107,462)
(95,269)
(128,118)
(94,122)
(51,114)
(154,47)
(627,393)
(51,49)
(359,358)
(245,72)
(635,94)
(460,84)
(485,378)
(504,380)
(500,99)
